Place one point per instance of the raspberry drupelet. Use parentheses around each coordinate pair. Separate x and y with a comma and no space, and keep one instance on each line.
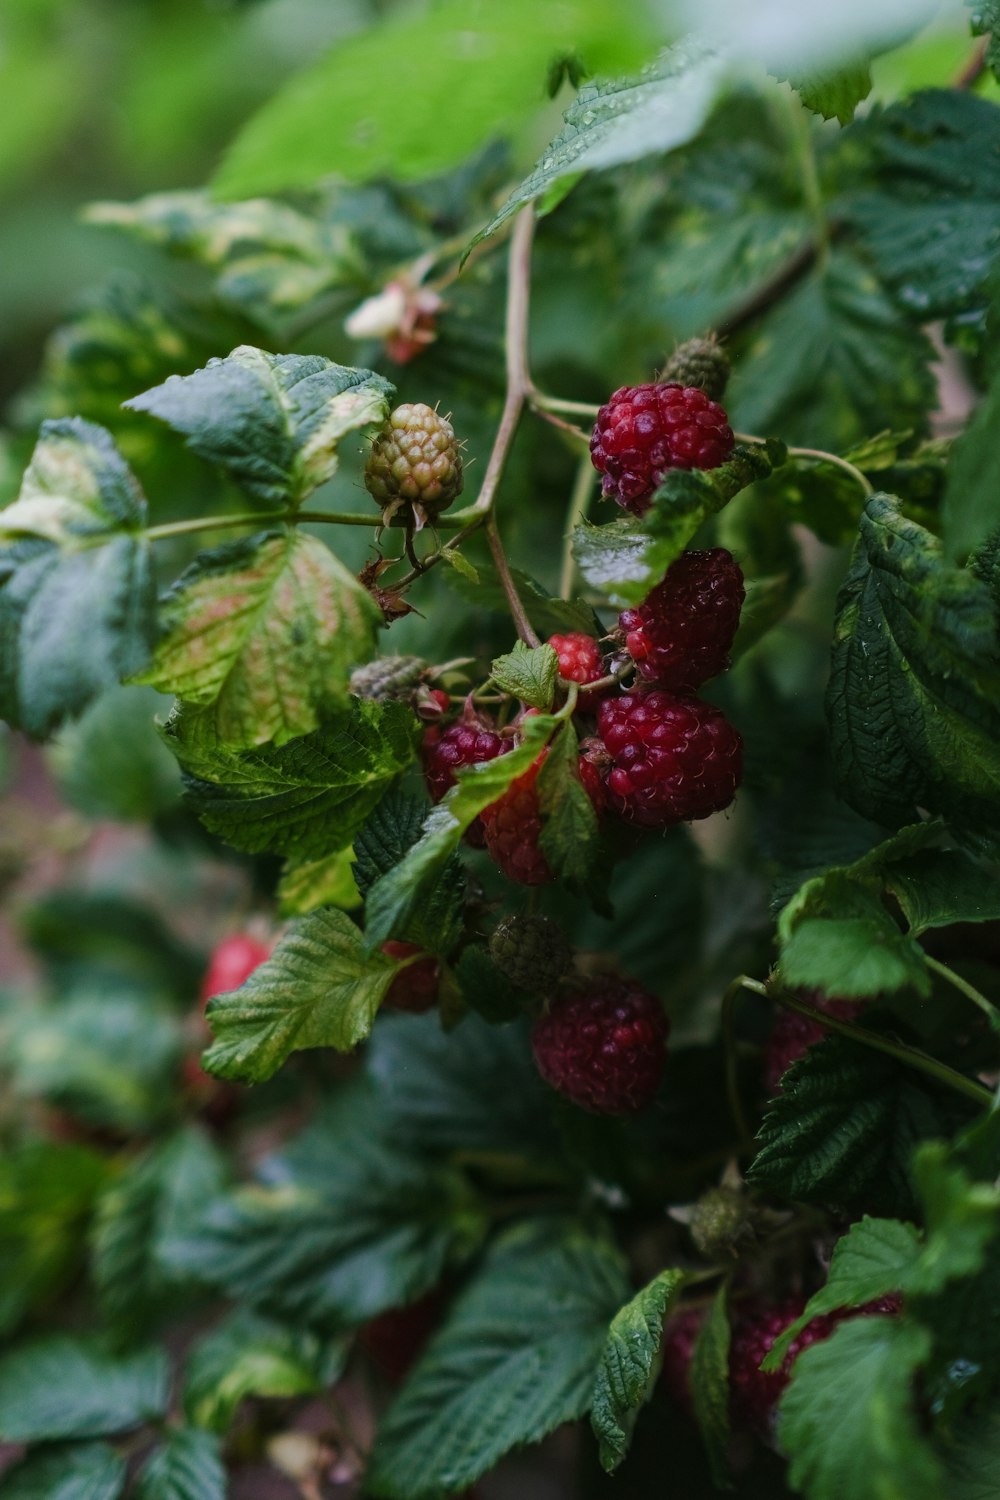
(579,656)
(643,431)
(673,759)
(682,632)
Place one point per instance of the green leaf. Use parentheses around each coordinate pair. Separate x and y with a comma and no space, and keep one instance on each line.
(970,512)
(112,763)
(914,694)
(317,989)
(844,1127)
(835,95)
(515,1359)
(249,1355)
(319,882)
(962,1217)
(837,936)
(484,989)
(395,898)
(985,21)
(267,629)
(47,1191)
(630,1365)
(387,836)
(77,596)
(848,1421)
(833,362)
(307,798)
(115,939)
(481,75)
(570,833)
(344,1224)
(82,1471)
(267,255)
(940,886)
(709,1377)
(157,1196)
(624,559)
(186,1466)
(873,1259)
(68,1387)
(472,1089)
(273,421)
(973,1462)
(933,224)
(622,119)
(529,673)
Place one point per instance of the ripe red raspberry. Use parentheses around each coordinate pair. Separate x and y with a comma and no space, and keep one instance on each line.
(466,743)
(232,962)
(414,988)
(673,759)
(753,1394)
(645,430)
(792,1035)
(603,1045)
(512,825)
(579,656)
(681,633)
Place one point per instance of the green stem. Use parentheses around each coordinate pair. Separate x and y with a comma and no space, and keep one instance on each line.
(801,129)
(728,1017)
(543,402)
(912,1057)
(519,615)
(963,986)
(576,511)
(832,458)
(289,517)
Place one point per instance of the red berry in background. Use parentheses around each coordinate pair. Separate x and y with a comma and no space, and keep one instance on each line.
(232,962)
(414,988)
(579,656)
(792,1035)
(467,743)
(396,1338)
(643,431)
(754,1395)
(673,759)
(603,1045)
(682,632)
(679,1339)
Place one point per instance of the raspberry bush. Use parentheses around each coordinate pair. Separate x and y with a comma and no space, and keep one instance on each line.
(501,984)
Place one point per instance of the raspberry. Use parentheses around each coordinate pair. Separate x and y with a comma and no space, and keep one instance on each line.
(753,1394)
(414,988)
(232,962)
(579,656)
(645,430)
(466,743)
(387,677)
(792,1035)
(513,827)
(396,1338)
(603,1045)
(532,952)
(679,1339)
(414,469)
(513,823)
(680,635)
(701,363)
(673,759)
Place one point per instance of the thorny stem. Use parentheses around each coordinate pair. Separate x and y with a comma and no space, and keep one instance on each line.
(911,1056)
(578,501)
(963,986)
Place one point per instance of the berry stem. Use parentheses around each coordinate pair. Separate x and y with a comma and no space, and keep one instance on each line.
(543,402)
(289,517)
(818,453)
(911,1056)
(728,1020)
(579,500)
(521,622)
(963,986)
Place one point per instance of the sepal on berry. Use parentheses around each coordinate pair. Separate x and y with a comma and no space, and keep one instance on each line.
(701,363)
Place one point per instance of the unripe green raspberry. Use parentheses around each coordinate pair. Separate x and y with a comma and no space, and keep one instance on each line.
(387,677)
(719,1221)
(698,362)
(414,469)
(533,952)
